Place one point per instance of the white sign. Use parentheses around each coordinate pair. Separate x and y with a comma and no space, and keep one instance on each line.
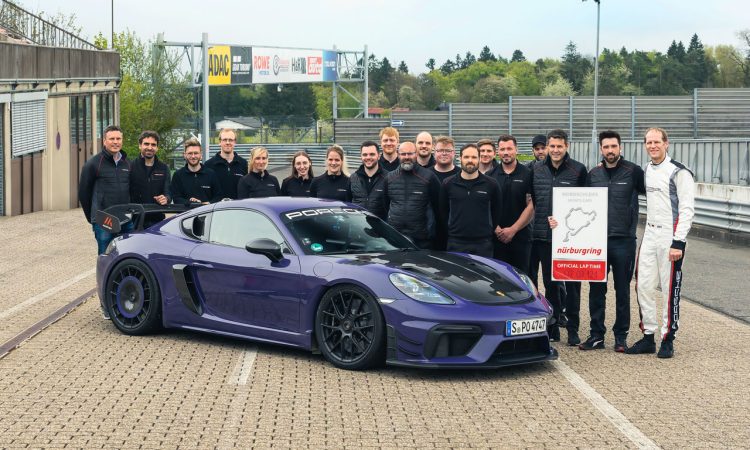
(288,65)
(579,242)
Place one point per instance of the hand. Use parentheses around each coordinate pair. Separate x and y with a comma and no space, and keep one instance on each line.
(195,200)
(506,235)
(552,222)
(675,254)
(160,199)
(498,231)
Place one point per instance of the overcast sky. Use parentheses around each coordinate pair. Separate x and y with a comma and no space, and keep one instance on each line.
(415,31)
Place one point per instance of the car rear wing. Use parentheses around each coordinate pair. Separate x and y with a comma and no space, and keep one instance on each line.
(115,217)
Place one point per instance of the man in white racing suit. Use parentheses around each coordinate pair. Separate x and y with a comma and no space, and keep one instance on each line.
(670,198)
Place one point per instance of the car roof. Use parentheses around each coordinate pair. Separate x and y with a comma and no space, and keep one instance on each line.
(278,205)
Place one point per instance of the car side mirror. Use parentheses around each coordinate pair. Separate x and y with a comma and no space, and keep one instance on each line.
(265,247)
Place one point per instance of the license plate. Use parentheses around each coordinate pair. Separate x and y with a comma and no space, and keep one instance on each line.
(525,326)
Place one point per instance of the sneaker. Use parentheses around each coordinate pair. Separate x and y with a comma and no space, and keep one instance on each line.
(573,338)
(666,350)
(621,345)
(554,333)
(645,345)
(592,343)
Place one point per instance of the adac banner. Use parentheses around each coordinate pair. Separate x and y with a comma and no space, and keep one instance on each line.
(229,65)
(579,242)
(286,65)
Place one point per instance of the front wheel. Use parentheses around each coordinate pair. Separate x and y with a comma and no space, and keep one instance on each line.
(350,329)
(133,299)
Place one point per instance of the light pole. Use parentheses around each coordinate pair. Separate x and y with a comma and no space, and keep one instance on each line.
(596,83)
(112,23)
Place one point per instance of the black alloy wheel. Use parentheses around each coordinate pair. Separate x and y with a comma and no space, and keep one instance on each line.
(133,299)
(350,329)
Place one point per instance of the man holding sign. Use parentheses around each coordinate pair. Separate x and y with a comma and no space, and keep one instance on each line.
(624,181)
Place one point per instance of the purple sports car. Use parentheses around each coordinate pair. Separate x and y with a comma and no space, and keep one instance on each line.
(321,275)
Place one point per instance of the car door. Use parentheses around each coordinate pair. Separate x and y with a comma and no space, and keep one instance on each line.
(245,292)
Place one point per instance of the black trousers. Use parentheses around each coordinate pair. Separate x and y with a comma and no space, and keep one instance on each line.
(517,253)
(479,247)
(621,262)
(560,294)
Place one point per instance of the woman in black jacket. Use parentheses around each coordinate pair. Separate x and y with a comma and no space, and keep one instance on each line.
(258,182)
(334,184)
(298,183)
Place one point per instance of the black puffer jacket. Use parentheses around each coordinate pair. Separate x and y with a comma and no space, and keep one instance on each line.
(571,173)
(368,191)
(625,182)
(412,199)
(104,183)
(255,185)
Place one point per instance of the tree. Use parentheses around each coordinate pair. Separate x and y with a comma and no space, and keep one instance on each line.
(699,67)
(560,87)
(469,59)
(430,64)
(409,98)
(154,93)
(517,56)
(574,67)
(403,68)
(743,60)
(728,73)
(486,55)
(448,67)
(494,89)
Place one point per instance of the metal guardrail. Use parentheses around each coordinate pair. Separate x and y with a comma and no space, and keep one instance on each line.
(717,213)
(20,23)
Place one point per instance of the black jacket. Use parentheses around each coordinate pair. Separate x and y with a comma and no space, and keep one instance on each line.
(625,181)
(254,185)
(202,185)
(470,209)
(104,183)
(368,191)
(430,163)
(571,173)
(443,175)
(332,187)
(148,182)
(296,187)
(389,166)
(412,199)
(228,174)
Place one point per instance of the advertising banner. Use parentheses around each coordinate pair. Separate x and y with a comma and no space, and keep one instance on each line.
(229,65)
(284,65)
(579,243)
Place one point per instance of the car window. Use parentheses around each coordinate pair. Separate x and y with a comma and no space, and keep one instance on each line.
(237,227)
(197,226)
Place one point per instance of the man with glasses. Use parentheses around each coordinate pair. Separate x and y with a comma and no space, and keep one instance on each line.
(445,155)
(227,164)
(412,195)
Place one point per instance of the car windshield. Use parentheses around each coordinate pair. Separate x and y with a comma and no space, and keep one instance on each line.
(330,231)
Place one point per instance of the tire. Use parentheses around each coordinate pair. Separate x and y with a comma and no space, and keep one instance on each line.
(350,328)
(133,299)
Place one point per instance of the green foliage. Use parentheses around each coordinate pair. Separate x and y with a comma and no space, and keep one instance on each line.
(560,87)
(495,89)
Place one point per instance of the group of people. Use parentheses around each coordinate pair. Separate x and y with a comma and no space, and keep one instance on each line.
(491,205)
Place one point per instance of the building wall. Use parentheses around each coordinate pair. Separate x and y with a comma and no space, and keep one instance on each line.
(56,159)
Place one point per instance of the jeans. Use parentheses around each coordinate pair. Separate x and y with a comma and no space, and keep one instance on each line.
(104,237)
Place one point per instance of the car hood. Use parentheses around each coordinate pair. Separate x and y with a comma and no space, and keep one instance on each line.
(471,279)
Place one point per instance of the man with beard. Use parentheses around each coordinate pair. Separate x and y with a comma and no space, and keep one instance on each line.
(539,148)
(389,143)
(445,155)
(367,182)
(470,207)
(412,195)
(625,181)
(227,164)
(513,235)
(149,177)
(487,160)
(195,184)
(558,170)
(424,150)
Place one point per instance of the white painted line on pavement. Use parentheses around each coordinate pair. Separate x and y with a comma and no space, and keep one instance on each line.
(49,292)
(244,366)
(606,408)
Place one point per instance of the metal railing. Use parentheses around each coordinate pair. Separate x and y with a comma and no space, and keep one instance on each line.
(717,213)
(280,154)
(22,24)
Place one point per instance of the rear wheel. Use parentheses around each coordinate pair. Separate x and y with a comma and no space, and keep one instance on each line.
(133,299)
(350,329)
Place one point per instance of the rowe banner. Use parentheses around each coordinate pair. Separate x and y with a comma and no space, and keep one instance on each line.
(229,65)
(285,65)
(579,243)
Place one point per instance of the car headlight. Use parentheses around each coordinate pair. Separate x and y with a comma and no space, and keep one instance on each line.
(419,290)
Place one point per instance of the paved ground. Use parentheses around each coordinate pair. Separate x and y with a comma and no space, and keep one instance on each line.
(82,384)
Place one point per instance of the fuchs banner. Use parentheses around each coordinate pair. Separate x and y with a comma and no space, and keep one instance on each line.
(286,65)
(229,65)
(579,243)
